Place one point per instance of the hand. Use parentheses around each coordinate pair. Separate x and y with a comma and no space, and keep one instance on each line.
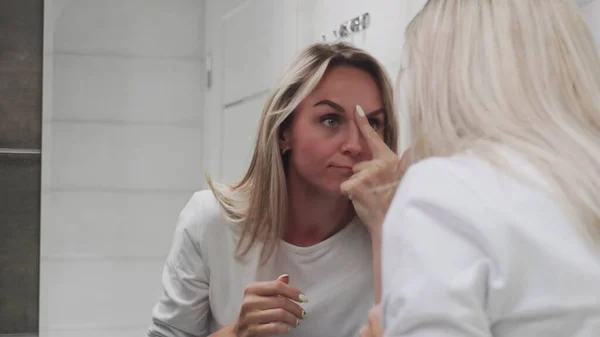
(269,309)
(373,328)
(374,182)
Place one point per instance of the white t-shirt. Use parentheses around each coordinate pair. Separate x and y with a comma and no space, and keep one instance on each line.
(204,284)
(469,251)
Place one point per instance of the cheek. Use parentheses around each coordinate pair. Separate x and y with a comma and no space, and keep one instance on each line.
(311,160)
(310,155)
(309,143)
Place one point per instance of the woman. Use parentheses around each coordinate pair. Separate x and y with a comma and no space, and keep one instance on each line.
(246,258)
(496,231)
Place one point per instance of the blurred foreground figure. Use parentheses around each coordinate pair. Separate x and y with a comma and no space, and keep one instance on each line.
(495,229)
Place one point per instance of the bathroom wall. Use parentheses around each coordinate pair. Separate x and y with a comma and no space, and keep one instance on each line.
(20,141)
(590,9)
(122,136)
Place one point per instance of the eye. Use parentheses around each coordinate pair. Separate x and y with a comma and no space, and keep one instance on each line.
(330,120)
(375,124)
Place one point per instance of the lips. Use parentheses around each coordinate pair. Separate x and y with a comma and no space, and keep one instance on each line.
(344,169)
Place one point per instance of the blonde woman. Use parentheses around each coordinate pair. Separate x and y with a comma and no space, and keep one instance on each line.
(283,251)
(496,231)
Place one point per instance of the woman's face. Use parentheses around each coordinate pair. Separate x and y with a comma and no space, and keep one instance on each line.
(323,139)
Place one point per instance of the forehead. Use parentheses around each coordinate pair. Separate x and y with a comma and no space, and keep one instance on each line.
(347,86)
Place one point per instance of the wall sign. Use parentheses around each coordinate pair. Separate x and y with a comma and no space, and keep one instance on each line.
(349,28)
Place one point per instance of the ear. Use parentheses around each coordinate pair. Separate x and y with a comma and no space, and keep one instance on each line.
(285,140)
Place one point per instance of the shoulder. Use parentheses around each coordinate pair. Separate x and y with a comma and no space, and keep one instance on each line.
(472,184)
(438,239)
(463,194)
(201,207)
(201,217)
(451,180)
(202,231)
(489,204)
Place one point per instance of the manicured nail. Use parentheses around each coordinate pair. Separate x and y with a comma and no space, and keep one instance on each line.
(297,323)
(303,298)
(360,111)
(285,278)
(303,314)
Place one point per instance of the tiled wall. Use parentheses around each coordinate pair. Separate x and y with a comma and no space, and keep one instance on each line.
(20,140)
(124,87)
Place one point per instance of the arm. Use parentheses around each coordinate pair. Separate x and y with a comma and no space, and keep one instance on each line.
(228,331)
(436,263)
(376,244)
(183,310)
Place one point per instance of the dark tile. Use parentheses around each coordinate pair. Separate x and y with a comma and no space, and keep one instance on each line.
(20,177)
(21,52)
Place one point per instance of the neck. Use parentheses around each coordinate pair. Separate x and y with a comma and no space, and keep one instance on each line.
(313,215)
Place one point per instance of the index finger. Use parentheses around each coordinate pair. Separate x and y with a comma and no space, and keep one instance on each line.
(378,147)
(277,288)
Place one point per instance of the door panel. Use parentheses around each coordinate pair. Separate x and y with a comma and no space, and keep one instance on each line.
(250,43)
(250,33)
(240,124)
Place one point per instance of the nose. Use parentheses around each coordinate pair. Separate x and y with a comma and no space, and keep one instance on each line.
(353,143)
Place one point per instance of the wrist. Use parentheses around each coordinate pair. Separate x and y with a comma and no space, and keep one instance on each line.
(375,235)
(375,227)
(228,331)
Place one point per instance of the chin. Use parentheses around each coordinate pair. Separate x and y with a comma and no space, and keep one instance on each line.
(328,185)
(334,189)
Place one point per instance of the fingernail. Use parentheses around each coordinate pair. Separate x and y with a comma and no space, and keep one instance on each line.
(360,111)
(303,314)
(284,278)
(297,323)
(303,298)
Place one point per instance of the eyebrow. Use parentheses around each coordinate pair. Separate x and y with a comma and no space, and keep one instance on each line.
(340,109)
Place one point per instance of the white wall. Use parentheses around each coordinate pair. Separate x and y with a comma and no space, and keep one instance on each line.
(590,10)
(121,154)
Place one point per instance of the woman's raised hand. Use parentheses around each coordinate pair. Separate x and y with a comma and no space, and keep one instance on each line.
(374,182)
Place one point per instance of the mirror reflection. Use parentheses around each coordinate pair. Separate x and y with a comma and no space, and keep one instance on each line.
(219,168)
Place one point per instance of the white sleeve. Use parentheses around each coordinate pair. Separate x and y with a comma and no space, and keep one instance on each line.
(436,261)
(183,310)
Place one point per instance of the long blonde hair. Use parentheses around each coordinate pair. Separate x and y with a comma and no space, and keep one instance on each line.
(259,202)
(521,73)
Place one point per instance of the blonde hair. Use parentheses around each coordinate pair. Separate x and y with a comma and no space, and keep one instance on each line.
(259,202)
(520,73)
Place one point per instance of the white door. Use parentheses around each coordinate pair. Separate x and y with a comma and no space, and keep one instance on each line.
(249,43)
